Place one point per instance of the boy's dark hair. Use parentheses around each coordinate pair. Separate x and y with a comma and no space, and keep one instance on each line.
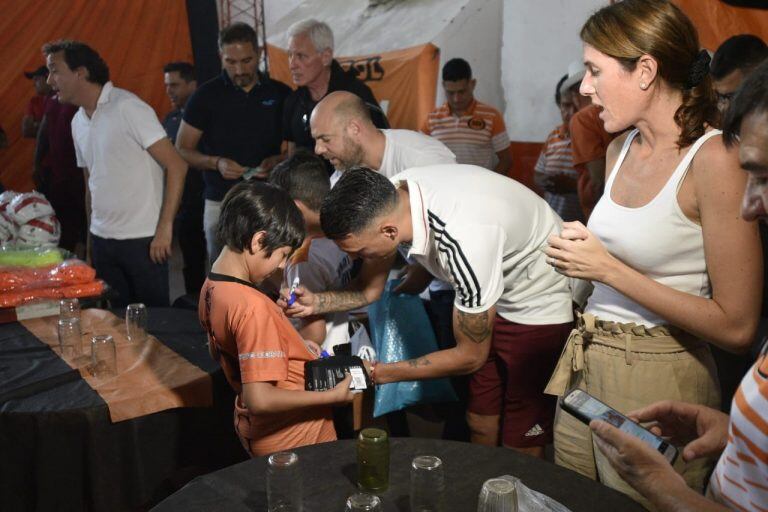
(742,52)
(559,96)
(751,98)
(238,33)
(253,206)
(304,177)
(185,70)
(456,69)
(77,54)
(359,197)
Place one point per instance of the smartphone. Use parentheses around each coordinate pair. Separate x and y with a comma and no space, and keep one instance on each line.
(586,408)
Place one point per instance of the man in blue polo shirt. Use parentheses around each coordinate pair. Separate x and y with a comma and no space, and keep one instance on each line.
(236,120)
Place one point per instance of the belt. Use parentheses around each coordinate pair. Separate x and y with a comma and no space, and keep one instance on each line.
(631,338)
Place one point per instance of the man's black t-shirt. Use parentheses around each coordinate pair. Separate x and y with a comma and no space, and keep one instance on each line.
(299,105)
(243,126)
(192,199)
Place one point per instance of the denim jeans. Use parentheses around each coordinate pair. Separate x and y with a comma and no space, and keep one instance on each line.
(211,214)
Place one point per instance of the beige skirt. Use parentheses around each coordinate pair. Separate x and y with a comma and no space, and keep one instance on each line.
(629,366)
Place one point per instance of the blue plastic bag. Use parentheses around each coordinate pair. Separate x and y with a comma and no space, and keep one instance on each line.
(400,330)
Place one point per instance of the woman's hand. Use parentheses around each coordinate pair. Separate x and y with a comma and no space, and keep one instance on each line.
(578,253)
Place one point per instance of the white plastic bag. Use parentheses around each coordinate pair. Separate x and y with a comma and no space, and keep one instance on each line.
(529,500)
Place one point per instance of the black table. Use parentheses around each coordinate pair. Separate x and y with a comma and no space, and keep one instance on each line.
(60,451)
(329,472)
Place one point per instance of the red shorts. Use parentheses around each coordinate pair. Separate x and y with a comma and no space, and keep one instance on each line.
(511,382)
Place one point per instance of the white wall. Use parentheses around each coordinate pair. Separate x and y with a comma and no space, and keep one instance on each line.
(474,34)
(539,39)
(276,9)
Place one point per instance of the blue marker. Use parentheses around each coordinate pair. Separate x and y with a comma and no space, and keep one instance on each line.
(292,293)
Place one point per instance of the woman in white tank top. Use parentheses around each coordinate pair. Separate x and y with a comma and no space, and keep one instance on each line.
(673,264)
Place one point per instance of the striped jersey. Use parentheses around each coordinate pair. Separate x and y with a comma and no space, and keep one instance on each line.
(484,233)
(556,158)
(740,479)
(475,137)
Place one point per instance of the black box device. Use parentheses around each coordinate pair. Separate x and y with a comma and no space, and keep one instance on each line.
(323,374)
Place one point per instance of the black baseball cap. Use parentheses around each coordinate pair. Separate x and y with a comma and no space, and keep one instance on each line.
(41,71)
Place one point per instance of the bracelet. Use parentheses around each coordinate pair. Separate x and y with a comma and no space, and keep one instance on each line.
(373,371)
(217,162)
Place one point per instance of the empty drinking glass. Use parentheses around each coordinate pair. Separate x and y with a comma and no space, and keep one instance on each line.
(284,488)
(70,338)
(136,322)
(427,484)
(363,502)
(69,308)
(103,356)
(498,495)
(373,459)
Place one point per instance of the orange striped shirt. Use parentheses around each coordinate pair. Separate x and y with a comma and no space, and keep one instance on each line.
(474,137)
(556,159)
(740,479)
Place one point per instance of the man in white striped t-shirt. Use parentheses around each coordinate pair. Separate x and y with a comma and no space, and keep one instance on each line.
(512,312)
(740,479)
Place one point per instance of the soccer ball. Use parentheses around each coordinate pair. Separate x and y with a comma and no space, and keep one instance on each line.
(40,232)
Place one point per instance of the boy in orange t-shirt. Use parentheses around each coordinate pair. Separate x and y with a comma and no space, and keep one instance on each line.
(260,352)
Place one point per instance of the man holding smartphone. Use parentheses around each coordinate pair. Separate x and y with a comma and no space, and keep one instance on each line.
(739,479)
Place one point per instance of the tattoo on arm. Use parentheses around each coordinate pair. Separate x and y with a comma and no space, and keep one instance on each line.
(475,325)
(330,302)
(415,363)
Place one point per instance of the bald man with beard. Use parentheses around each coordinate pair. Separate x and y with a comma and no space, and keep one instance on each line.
(346,136)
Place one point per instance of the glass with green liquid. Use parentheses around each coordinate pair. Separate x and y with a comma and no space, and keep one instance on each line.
(373,459)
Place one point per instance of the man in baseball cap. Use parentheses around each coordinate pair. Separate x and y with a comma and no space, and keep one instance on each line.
(30,123)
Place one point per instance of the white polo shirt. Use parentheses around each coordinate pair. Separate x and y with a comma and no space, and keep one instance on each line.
(404,149)
(126,183)
(484,233)
(321,266)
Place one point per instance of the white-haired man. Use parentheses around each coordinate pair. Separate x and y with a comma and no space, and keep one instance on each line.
(317,73)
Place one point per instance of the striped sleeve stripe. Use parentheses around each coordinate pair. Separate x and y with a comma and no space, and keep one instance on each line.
(749,413)
(720,493)
(734,483)
(464,294)
(460,267)
(755,484)
(756,452)
(731,503)
(477,136)
(500,141)
(746,458)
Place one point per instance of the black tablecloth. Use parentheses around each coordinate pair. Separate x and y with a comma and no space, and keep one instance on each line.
(329,472)
(60,451)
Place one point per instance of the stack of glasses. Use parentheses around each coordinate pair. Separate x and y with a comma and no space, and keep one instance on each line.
(103,357)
